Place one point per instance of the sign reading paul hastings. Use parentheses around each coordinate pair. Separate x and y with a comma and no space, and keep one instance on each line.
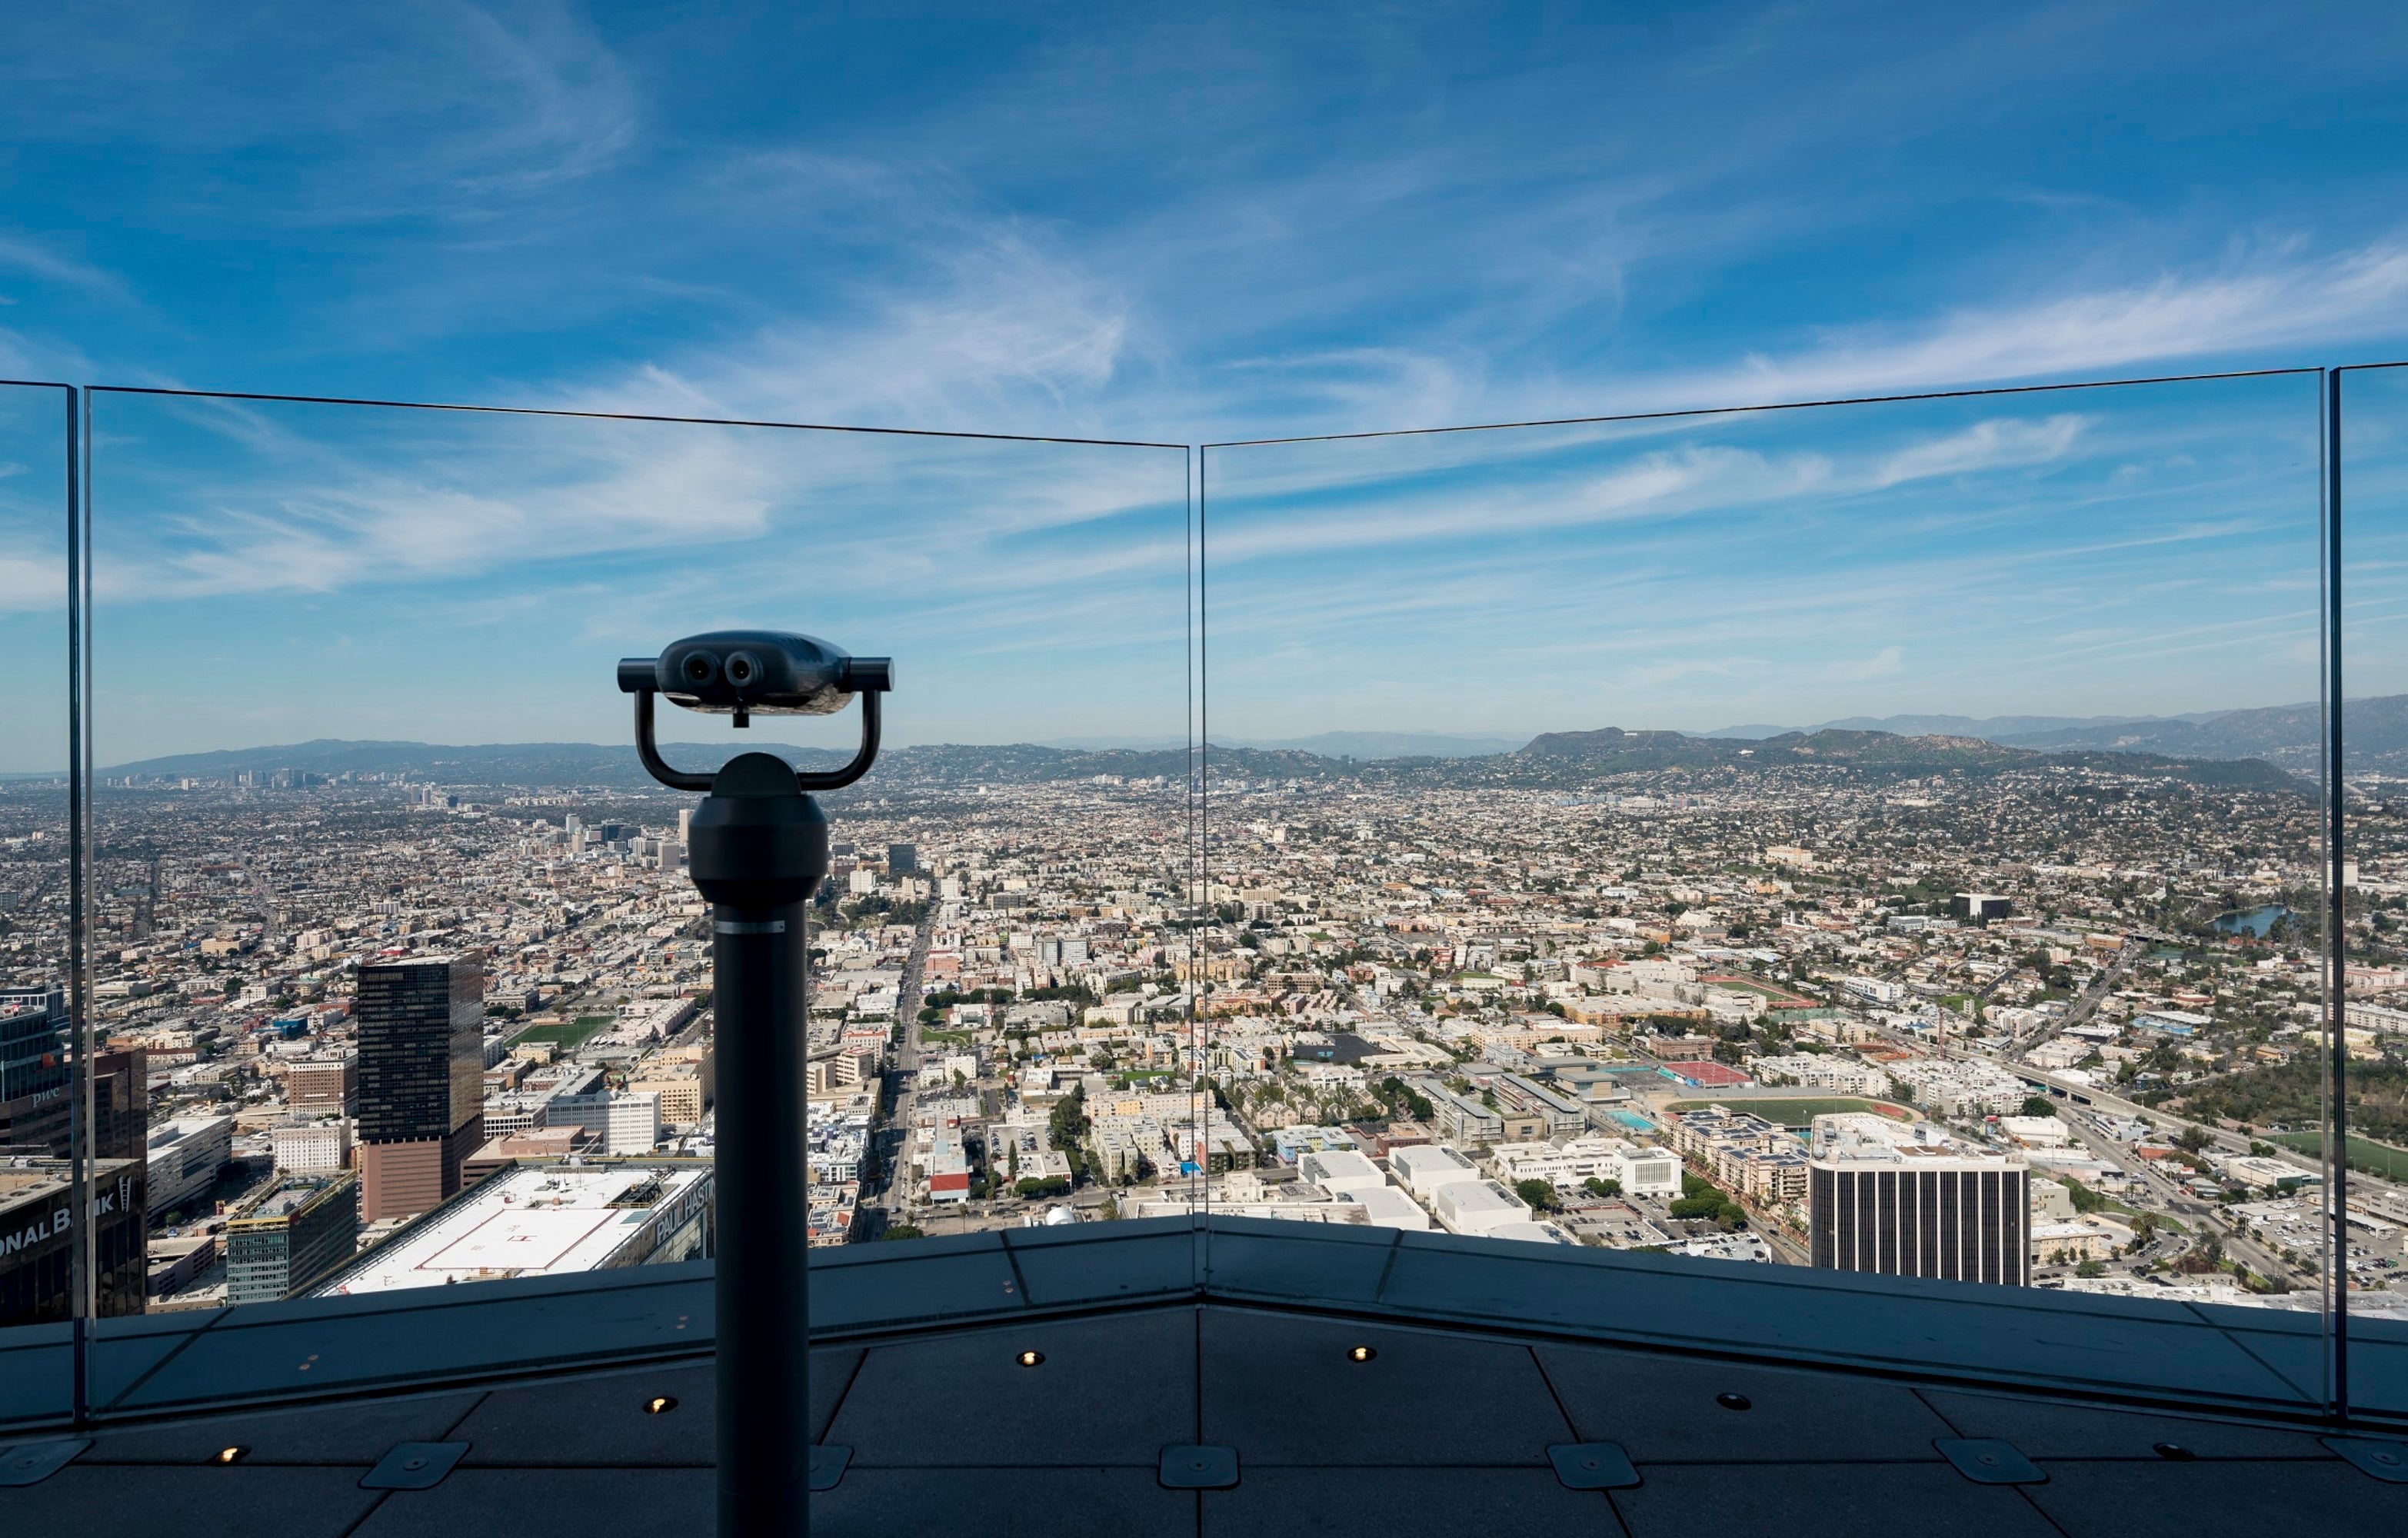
(36,1233)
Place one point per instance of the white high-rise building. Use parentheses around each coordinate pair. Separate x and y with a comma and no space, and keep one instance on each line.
(312,1148)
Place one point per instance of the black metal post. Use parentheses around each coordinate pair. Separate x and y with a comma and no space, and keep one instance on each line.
(758,850)
(2336,915)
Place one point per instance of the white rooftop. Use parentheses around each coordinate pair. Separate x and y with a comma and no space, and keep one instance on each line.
(528,1222)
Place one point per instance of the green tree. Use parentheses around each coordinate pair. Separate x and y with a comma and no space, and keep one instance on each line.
(2039,1105)
(1068,1124)
(1540,1194)
(1594,1185)
(900,1231)
(2085,1199)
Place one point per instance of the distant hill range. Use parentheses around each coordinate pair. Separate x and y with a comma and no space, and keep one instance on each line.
(1364,745)
(1995,728)
(1881,755)
(1558,760)
(2287,736)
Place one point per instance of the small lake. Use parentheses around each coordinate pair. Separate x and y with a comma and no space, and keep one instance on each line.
(2255,923)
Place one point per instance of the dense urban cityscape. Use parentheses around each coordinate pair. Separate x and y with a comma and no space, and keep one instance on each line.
(1912,1005)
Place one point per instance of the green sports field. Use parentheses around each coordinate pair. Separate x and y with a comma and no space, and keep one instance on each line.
(2378,1158)
(569,1035)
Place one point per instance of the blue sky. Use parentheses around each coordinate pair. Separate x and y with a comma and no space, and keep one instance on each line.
(1151,224)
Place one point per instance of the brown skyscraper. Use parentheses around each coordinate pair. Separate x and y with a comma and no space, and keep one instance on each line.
(422,1083)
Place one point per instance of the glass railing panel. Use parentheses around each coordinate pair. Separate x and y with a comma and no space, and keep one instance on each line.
(2366,1229)
(38,1276)
(1675,834)
(359,747)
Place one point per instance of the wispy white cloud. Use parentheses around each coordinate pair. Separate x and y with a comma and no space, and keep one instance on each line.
(1885,663)
(1999,443)
(2288,296)
(32,583)
(41,261)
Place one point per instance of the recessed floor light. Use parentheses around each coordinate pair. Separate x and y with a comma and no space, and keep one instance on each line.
(1361,1353)
(1029,1358)
(231,1455)
(1734,1402)
(659,1404)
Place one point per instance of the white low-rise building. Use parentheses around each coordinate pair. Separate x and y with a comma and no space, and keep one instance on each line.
(2077,1240)
(1386,1207)
(1639,1172)
(1340,1171)
(2036,1131)
(184,1157)
(1535,1232)
(1476,1206)
(1815,1070)
(1424,1167)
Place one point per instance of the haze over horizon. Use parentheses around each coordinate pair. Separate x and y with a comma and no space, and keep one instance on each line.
(774,734)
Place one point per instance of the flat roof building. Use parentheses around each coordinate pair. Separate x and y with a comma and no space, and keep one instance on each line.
(312,1148)
(541,1221)
(323,1086)
(1423,1168)
(1907,1199)
(288,1237)
(1386,1207)
(1477,1206)
(184,1158)
(1340,1171)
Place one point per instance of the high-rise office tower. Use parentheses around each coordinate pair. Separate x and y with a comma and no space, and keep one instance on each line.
(37,1099)
(1907,1199)
(34,1104)
(287,1238)
(120,1103)
(422,1085)
(902,860)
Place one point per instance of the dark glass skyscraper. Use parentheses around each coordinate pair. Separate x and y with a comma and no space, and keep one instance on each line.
(34,1104)
(422,1079)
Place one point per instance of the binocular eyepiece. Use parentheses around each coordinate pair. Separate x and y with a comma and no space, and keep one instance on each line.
(744,673)
(756,672)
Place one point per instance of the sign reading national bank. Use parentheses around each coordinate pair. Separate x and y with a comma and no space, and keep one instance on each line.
(38,1234)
